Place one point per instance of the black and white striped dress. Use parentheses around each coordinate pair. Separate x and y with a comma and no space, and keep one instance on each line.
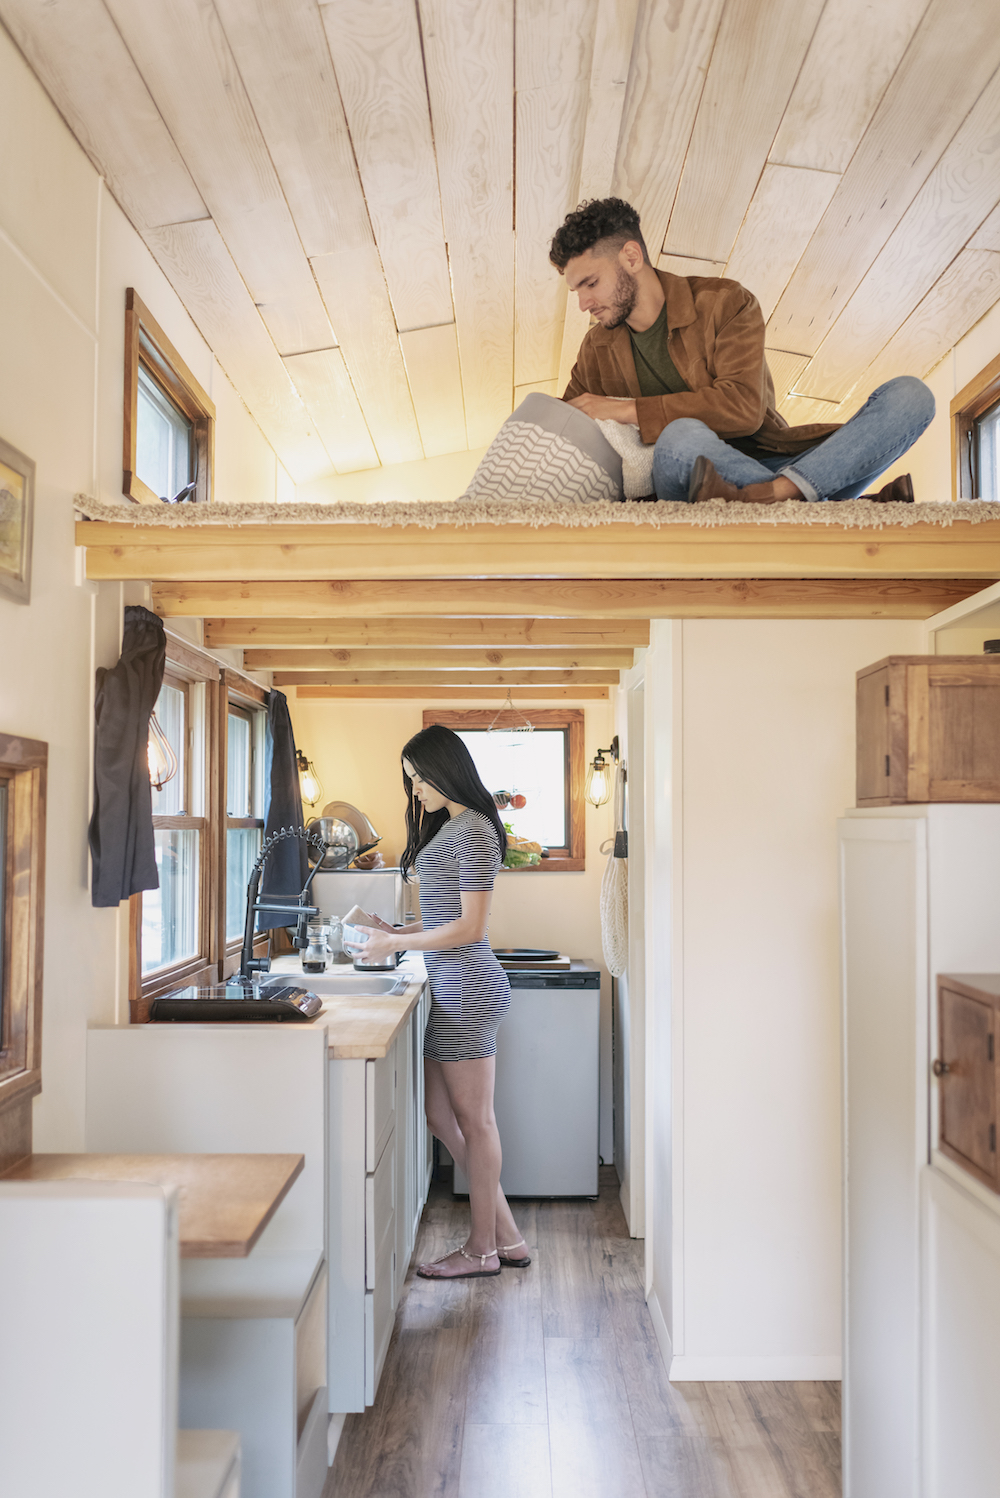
(470,993)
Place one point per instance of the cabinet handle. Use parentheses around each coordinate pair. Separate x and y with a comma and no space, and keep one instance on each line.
(940,1068)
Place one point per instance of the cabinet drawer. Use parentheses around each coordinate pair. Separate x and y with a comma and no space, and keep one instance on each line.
(380,1214)
(380,1106)
(379,1317)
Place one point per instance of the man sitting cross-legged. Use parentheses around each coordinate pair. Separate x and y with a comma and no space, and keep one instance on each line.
(688,353)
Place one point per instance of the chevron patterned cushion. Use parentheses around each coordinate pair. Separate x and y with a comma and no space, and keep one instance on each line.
(548,450)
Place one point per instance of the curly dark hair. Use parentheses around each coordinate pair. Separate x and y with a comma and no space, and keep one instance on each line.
(602,220)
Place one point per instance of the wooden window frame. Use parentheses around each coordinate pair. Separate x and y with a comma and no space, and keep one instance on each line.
(571,721)
(217,959)
(969,404)
(24,766)
(203,967)
(238,695)
(147,345)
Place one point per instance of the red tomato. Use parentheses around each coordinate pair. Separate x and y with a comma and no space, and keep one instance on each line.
(518,801)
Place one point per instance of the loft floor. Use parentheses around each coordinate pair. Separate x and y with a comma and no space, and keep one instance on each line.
(548,1383)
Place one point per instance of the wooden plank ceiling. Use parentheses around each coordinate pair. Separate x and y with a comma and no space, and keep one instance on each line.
(354,197)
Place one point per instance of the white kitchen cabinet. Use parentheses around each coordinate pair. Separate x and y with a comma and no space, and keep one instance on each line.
(960,1354)
(378,1184)
(920,895)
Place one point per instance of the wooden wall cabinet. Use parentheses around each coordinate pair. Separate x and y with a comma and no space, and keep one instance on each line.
(967,1072)
(928,730)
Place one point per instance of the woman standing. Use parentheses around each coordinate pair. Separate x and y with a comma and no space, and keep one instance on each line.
(456,842)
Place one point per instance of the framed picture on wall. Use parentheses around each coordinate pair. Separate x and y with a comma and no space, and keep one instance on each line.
(17,506)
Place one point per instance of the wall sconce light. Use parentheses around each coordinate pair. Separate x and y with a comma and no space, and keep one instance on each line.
(310,784)
(599,782)
(160,757)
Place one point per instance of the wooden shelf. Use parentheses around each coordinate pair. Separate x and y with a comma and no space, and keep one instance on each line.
(226,1201)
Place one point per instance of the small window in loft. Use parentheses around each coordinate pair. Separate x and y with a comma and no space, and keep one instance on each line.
(168,419)
(164,450)
(987,448)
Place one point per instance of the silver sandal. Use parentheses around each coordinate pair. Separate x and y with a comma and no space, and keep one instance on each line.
(481,1273)
(513,1263)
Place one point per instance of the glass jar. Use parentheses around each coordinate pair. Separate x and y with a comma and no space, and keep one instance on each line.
(316,955)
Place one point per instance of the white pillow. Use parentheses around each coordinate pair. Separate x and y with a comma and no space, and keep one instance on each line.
(636,456)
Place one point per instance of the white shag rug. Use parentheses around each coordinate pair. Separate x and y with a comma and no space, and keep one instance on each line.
(851,514)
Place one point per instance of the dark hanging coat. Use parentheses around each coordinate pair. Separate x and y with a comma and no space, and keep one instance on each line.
(286,868)
(121,828)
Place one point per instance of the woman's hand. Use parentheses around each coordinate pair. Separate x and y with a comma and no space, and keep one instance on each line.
(382,942)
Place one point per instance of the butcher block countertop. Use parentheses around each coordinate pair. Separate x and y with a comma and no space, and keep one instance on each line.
(225,1201)
(360,1027)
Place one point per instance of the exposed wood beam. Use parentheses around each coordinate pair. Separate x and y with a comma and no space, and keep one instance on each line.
(690,598)
(319,553)
(431,695)
(447,678)
(402,659)
(486,634)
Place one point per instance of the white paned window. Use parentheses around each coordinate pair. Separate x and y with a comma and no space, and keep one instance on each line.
(164,450)
(530,770)
(987,443)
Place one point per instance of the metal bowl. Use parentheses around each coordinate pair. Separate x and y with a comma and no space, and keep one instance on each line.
(342,838)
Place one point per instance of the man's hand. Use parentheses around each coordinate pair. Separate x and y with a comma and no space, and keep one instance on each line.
(601,408)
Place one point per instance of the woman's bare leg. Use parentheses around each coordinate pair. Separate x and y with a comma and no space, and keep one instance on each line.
(459,1106)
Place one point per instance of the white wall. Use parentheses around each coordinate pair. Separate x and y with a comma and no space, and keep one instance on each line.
(67,255)
(750,750)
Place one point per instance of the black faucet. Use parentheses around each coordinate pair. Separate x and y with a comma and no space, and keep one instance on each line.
(249,964)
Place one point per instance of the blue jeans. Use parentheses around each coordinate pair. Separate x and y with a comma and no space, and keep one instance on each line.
(841,466)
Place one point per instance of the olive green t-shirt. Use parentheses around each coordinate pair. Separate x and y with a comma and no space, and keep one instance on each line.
(657,374)
(656,371)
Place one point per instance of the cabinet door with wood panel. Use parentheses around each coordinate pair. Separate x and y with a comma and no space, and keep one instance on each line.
(966,1068)
(928,729)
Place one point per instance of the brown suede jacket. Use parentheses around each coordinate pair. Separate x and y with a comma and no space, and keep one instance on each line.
(715,334)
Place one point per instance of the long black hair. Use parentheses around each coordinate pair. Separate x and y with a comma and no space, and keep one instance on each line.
(441,759)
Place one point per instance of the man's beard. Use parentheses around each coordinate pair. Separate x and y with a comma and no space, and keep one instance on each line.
(623,303)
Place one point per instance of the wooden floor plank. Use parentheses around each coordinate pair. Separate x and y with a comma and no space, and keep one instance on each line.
(506,1372)
(755,1470)
(591,1438)
(505,1461)
(800,1455)
(673,1452)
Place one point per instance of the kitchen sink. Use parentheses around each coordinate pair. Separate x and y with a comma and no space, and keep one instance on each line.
(353,983)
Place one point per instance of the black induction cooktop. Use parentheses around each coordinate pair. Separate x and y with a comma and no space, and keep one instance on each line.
(237,1003)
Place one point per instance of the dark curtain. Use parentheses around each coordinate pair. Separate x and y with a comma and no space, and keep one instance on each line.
(287,866)
(121,828)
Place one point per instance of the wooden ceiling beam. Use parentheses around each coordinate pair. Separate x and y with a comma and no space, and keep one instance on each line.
(430,695)
(685,598)
(446,678)
(447,633)
(455,660)
(399,558)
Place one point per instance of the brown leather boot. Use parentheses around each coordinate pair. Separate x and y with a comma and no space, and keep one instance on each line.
(705,483)
(899,492)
